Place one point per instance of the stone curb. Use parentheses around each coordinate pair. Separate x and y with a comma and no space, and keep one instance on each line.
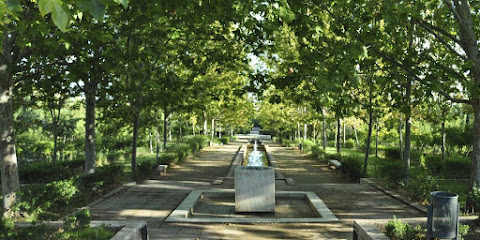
(405,200)
(273,162)
(237,159)
(184,211)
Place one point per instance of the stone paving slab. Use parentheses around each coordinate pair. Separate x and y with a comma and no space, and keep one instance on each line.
(154,201)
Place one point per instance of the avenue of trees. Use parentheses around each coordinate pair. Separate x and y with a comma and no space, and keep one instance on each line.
(132,71)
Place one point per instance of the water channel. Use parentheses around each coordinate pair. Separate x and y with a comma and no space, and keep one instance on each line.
(256,157)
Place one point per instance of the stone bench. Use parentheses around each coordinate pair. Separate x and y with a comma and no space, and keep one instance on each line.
(335,163)
(161,169)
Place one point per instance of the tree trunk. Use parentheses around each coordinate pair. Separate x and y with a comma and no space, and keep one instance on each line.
(369,138)
(443,140)
(406,153)
(205,123)
(220,131)
(305,128)
(213,128)
(165,125)
(344,133)
(324,129)
(314,134)
(136,119)
(193,129)
(376,139)
(339,136)
(356,135)
(469,44)
(8,155)
(475,175)
(90,93)
(55,136)
(400,130)
(157,137)
(150,141)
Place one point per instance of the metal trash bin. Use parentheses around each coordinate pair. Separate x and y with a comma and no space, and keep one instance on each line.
(442,219)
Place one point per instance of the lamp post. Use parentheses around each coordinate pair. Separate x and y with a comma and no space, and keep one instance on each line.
(442,219)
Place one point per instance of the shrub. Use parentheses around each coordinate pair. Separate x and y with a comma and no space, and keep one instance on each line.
(421,184)
(197,142)
(456,166)
(80,220)
(393,170)
(225,139)
(143,170)
(392,153)
(415,156)
(334,156)
(181,149)
(350,144)
(317,152)
(167,158)
(38,198)
(434,163)
(44,172)
(352,167)
(115,156)
(396,229)
(102,178)
(307,145)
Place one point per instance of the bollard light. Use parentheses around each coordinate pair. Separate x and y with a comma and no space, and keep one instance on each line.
(442,219)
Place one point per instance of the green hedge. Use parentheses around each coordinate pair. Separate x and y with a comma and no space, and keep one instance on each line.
(352,167)
(167,158)
(225,140)
(44,172)
(393,170)
(197,143)
(181,150)
(48,200)
(317,152)
(455,166)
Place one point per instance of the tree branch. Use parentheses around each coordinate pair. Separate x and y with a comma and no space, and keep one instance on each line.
(452,9)
(457,100)
(439,38)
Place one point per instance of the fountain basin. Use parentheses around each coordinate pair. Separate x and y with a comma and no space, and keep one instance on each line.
(192,211)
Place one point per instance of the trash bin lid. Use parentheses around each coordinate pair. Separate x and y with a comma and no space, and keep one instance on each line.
(441,194)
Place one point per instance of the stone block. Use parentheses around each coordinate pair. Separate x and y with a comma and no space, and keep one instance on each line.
(335,163)
(254,189)
(161,169)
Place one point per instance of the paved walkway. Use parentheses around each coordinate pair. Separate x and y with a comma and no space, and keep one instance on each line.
(154,200)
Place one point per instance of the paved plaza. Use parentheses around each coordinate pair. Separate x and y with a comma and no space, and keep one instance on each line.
(154,200)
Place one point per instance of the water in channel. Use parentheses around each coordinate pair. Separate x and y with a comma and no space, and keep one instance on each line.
(256,158)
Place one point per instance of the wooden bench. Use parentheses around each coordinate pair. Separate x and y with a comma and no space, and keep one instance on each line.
(335,163)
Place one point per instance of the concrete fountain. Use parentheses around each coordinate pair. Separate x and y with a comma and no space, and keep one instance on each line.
(254,198)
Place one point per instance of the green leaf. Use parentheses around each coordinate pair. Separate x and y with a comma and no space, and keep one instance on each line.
(60,14)
(123,2)
(3,8)
(97,9)
(13,6)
